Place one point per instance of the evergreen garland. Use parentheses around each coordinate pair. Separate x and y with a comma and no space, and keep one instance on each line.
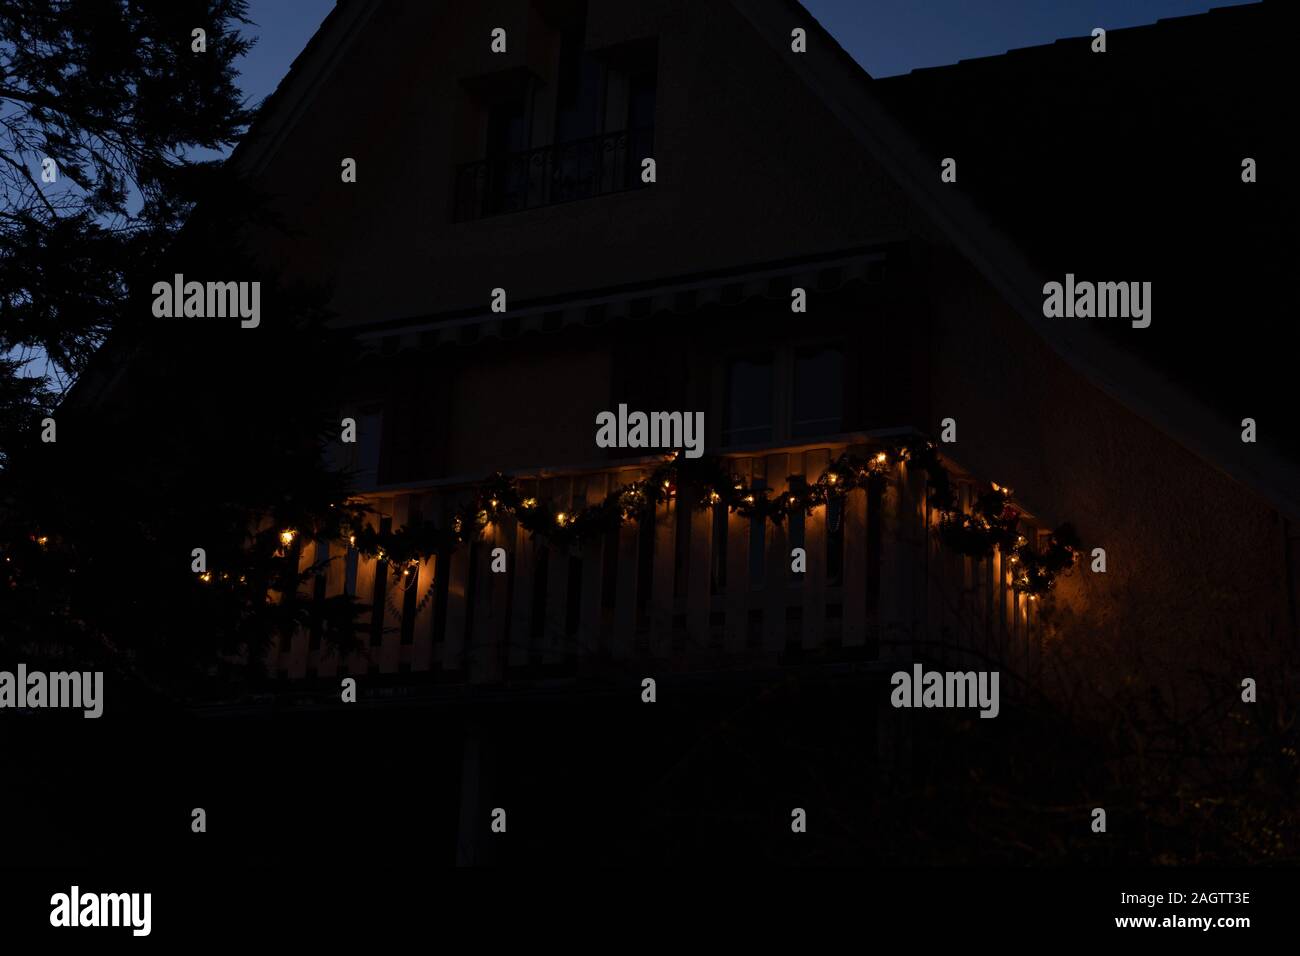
(707,482)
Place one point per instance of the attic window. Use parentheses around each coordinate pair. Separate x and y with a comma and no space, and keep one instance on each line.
(579,87)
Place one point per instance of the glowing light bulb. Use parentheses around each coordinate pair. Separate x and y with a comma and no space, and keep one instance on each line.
(287,536)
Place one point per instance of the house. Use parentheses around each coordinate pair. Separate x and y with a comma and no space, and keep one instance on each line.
(514,273)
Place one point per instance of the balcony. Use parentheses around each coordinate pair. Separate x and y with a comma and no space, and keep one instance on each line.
(703,590)
(596,166)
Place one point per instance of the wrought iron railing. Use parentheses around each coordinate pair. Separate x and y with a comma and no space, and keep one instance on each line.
(580,169)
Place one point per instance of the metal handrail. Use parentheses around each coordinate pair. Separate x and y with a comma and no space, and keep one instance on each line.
(579,169)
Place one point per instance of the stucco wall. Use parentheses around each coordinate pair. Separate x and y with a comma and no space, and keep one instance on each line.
(528,406)
(1195,562)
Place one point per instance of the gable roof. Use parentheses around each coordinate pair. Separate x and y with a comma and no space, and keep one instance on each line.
(984,227)
(280,111)
(1126,166)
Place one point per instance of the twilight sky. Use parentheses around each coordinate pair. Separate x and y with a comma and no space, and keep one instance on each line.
(885,36)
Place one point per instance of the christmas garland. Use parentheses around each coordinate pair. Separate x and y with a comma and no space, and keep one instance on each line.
(707,482)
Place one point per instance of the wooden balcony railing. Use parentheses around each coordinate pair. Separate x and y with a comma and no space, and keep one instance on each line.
(695,590)
(594,166)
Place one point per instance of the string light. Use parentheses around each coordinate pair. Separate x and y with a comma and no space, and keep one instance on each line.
(989,525)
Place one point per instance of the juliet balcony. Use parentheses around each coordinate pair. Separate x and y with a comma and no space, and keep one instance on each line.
(581,169)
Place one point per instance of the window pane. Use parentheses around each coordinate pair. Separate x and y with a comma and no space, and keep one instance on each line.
(641,101)
(505,128)
(749,401)
(578,96)
(506,168)
(818,392)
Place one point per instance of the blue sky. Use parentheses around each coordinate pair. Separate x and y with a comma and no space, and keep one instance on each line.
(885,36)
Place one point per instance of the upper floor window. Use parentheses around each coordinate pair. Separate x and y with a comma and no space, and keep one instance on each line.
(642,97)
(748,417)
(602,129)
(578,91)
(506,127)
(789,392)
(818,399)
(506,186)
